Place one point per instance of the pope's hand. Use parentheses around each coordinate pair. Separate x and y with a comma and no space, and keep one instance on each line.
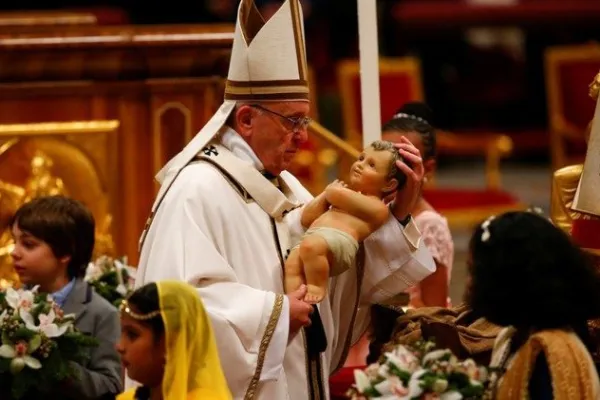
(299,311)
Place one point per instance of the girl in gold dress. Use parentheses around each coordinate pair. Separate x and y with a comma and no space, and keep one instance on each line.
(167,344)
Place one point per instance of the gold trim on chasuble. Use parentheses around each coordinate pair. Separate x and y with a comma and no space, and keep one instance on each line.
(264,345)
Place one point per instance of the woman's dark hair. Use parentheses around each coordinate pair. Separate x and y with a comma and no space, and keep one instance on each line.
(65,224)
(529,274)
(145,300)
(415,117)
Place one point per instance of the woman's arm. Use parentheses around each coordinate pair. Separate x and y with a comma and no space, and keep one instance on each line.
(434,288)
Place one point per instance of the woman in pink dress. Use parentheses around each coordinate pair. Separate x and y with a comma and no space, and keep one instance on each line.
(413,122)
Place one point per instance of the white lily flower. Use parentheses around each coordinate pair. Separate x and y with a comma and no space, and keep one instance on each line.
(436,355)
(454,395)
(414,384)
(46,326)
(362,380)
(121,289)
(19,361)
(92,272)
(384,387)
(402,359)
(20,299)
(384,370)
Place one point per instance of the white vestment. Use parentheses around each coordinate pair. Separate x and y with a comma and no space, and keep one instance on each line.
(208,232)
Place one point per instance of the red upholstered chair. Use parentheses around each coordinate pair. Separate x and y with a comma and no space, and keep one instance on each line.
(569,70)
(400,82)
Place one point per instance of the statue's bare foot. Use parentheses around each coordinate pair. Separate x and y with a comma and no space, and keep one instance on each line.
(314,294)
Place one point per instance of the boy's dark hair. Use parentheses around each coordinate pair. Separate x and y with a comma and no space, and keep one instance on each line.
(65,224)
(529,274)
(145,300)
(415,117)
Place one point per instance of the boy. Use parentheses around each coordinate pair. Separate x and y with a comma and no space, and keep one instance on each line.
(340,218)
(54,239)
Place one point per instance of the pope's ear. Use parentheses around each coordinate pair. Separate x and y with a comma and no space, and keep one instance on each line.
(243,120)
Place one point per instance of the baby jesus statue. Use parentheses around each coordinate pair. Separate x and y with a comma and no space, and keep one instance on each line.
(342,217)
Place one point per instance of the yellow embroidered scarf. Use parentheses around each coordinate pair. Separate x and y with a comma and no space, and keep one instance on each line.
(572,370)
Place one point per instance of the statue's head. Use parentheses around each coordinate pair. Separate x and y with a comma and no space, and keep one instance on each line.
(376,172)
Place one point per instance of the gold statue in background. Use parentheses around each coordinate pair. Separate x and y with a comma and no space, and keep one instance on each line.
(564,186)
(41,182)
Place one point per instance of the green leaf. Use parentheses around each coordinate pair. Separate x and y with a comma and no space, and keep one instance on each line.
(34,343)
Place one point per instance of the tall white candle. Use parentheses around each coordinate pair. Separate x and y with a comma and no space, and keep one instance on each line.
(369,70)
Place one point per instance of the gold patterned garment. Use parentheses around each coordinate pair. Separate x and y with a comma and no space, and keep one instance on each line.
(564,186)
(572,370)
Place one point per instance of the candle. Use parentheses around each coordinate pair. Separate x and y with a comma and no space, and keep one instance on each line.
(369,71)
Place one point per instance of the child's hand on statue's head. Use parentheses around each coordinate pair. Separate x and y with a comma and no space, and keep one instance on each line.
(406,198)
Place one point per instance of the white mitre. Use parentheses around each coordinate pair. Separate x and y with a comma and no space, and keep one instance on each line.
(268,63)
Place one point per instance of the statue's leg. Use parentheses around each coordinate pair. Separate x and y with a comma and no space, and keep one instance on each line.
(313,253)
(293,273)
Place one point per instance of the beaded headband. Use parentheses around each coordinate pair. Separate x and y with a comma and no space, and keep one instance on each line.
(485,234)
(124,308)
(485,226)
(409,116)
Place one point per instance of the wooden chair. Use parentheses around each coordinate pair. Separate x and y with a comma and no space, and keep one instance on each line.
(400,82)
(568,71)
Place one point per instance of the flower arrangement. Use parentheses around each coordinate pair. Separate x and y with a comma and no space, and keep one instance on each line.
(420,371)
(37,344)
(111,278)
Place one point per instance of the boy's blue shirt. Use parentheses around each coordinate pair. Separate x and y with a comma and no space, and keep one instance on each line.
(61,295)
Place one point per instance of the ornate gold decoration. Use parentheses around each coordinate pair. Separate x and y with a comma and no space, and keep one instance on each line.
(42,183)
(43,159)
(595,87)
